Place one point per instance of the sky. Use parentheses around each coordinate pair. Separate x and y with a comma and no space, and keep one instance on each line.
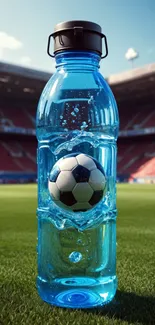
(26,24)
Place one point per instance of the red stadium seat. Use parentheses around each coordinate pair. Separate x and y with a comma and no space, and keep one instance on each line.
(16,156)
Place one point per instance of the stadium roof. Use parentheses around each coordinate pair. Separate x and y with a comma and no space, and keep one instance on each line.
(24,83)
(134,85)
(132,74)
(23,72)
(28,83)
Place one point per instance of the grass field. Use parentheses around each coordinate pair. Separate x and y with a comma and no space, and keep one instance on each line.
(135,299)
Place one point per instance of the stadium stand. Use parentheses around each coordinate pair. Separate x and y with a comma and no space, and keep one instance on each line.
(139,119)
(17,156)
(136,156)
(135,94)
(17,117)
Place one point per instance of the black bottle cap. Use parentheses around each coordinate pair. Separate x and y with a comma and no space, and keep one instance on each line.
(78,35)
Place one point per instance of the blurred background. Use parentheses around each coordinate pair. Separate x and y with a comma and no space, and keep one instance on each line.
(129,70)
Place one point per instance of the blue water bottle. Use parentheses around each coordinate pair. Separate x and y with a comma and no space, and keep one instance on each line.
(77,129)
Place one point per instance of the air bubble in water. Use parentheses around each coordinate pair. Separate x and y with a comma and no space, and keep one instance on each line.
(75,257)
(61,117)
(76,109)
(79,241)
(64,122)
(73,114)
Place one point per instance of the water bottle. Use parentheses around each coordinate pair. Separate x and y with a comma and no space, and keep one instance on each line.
(77,129)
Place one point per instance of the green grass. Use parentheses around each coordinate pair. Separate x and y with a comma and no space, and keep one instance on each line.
(135,299)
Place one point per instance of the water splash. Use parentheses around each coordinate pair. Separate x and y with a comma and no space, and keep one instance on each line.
(91,100)
(75,139)
(84,125)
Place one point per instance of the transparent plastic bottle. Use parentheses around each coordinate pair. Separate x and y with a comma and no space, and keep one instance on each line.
(77,112)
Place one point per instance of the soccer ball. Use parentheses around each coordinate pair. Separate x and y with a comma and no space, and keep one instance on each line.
(77,182)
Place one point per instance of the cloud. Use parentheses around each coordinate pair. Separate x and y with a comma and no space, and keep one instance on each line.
(131,54)
(9,42)
(25,60)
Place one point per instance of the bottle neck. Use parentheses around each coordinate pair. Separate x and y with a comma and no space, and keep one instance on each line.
(77,60)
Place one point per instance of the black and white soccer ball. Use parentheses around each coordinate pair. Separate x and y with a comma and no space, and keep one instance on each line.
(77,182)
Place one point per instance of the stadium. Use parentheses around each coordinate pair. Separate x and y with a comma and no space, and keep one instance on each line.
(20,92)
(135,299)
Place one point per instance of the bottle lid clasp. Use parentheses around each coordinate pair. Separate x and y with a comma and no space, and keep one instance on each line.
(78,35)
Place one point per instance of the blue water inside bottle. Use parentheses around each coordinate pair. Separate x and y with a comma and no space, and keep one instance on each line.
(77,251)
